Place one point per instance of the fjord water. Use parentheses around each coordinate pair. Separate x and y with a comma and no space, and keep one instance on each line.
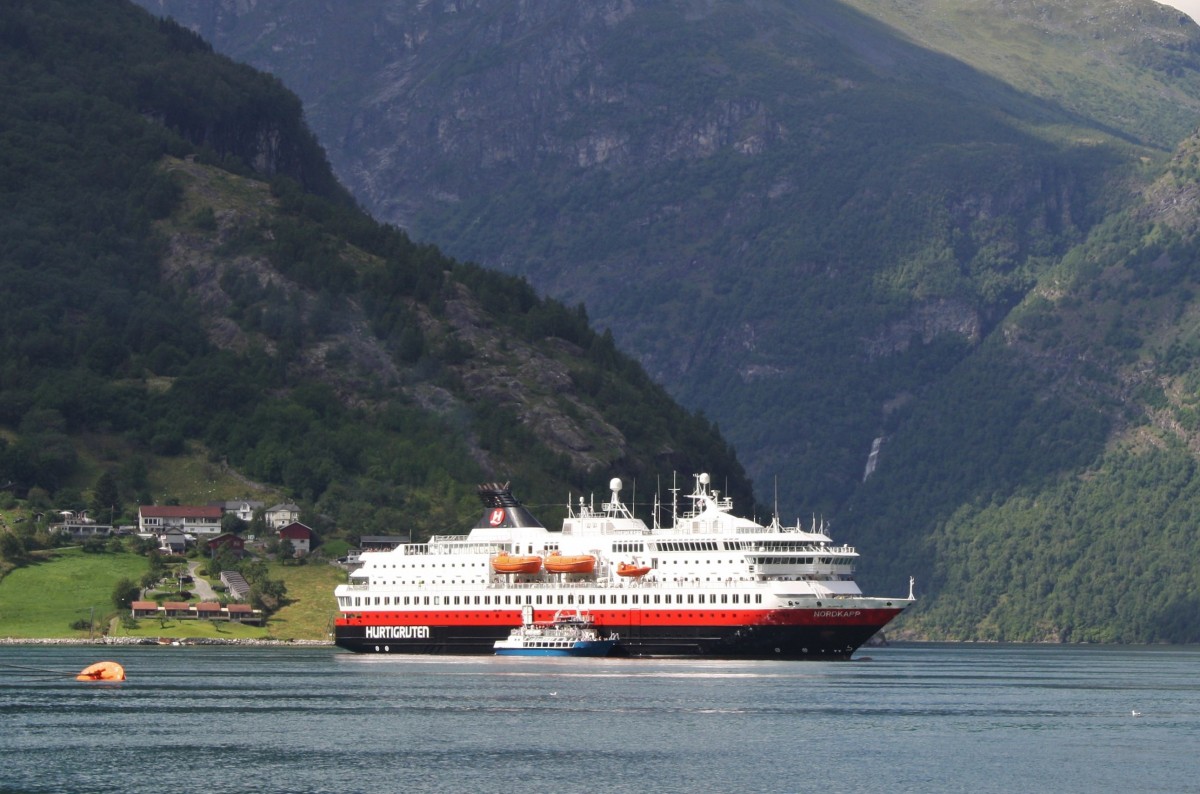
(911,718)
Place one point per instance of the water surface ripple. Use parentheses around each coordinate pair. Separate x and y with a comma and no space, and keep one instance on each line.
(910,718)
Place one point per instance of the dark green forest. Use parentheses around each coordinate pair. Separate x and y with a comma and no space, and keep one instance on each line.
(1055,470)
(99,100)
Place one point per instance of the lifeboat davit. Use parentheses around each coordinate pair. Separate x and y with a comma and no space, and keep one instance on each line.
(516,563)
(102,671)
(627,569)
(570,563)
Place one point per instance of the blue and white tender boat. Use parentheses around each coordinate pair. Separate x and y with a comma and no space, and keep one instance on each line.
(569,634)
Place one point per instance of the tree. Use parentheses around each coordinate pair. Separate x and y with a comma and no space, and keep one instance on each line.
(232,524)
(12,550)
(158,567)
(267,594)
(106,497)
(125,593)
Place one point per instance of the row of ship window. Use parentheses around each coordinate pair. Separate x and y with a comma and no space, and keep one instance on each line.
(549,600)
(483,564)
(800,560)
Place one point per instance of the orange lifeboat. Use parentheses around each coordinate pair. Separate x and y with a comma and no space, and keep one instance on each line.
(570,563)
(102,671)
(627,569)
(516,563)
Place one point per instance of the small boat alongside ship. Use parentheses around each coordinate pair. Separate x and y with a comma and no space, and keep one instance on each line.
(570,633)
(708,583)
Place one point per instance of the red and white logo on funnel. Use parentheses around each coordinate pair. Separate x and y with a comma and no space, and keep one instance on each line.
(497,517)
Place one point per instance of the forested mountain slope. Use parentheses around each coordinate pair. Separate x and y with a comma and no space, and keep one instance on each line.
(767,203)
(1064,451)
(953,225)
(180,268)
(1126,67)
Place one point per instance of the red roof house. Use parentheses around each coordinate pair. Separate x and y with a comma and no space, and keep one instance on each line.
(227,540)
(299,536)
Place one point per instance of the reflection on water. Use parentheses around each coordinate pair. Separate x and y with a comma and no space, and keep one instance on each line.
(912,718)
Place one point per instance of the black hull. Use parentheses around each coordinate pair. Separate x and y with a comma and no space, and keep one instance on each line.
(720,642)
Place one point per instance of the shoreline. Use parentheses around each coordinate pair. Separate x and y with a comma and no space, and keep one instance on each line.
(170,641)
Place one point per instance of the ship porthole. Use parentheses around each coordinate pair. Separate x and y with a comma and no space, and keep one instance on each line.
(387,648)
(818,603)
(776,650)
(376,649)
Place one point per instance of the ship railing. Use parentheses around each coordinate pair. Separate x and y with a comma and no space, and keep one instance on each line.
(697,528)
(604,526)
(782,569)
(774,547)
(719,528)
(684,583)
(631,584)
(760,574)
(439,545)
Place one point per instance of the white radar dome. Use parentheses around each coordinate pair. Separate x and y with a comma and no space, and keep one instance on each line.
(704,479)
(615,484)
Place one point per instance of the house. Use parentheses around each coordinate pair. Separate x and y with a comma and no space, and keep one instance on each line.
(84,531)
(193,519)
(242,508)
(79,526)
(176,609)
(299,536)
(145,609)
(173,541)
(227,540)
(281,515)
(236,585)
(209,610)
(243,613)
(205,610)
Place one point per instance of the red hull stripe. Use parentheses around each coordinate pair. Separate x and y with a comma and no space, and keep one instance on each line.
(628,617)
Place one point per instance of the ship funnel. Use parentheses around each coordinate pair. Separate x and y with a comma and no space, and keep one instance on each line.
(501,508)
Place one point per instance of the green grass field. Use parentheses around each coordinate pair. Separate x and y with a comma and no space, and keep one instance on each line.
(42,600)
(312,607)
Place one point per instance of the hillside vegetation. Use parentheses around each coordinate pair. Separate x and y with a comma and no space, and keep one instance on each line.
(796,216)
(963,227)
(186,279)
(1080,523)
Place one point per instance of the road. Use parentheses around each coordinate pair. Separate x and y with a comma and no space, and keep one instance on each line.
(200,586)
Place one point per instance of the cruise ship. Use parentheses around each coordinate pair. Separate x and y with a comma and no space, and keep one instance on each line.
(709,584)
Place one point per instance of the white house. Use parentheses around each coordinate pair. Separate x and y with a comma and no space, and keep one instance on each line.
(190,519)
(280,516)
(242,508)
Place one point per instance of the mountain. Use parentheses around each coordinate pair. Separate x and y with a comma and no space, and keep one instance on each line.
(184,275)
(766,202)
(1079,522)
(1124,67)
(958,231)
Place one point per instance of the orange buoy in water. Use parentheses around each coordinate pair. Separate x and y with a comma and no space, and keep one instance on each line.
(102,671)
